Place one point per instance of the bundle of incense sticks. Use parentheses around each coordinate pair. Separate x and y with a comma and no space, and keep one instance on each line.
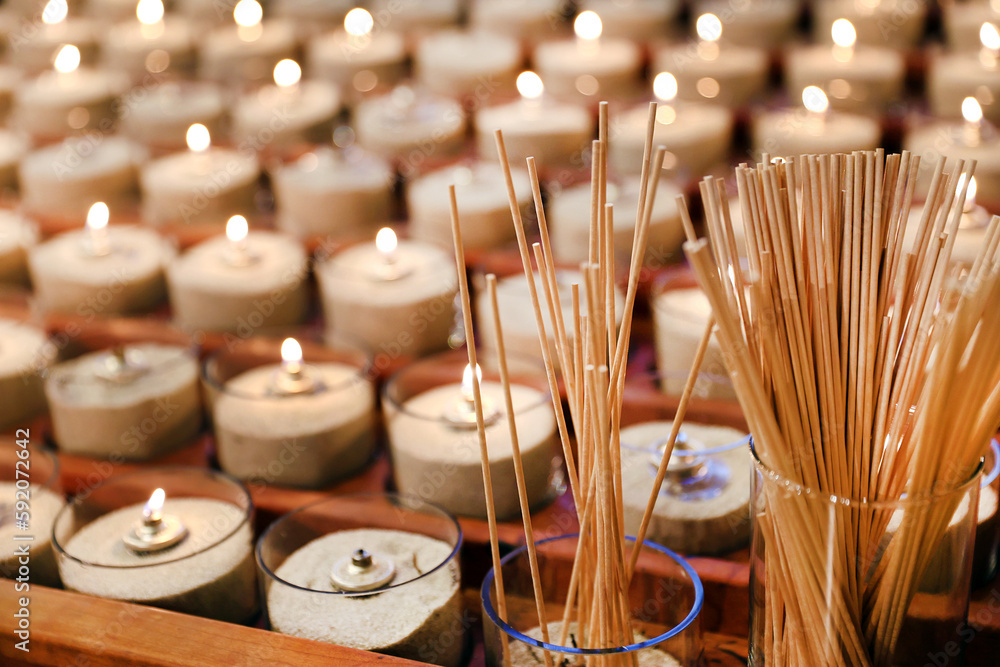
(591,356)
(866,370)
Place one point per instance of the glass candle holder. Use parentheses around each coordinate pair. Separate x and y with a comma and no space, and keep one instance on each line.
(378,572)
(176,538)
(665,598)
(29,490)
(888,581)
(431,424)
(680,314)
(986,557)
(704,501)
(305,421)
(135,401)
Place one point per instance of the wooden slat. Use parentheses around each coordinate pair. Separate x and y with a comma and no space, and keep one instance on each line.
(68,627)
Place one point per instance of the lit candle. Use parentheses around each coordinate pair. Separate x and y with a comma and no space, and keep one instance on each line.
(150,15)
(66,62)
(293,377)
(709,29)
(989,37)
(844,37)
(531,89)
(199,140)
(665,90)
(818,106)
(287,75)
(248,15)
(461,412)
(588,28)
(238,251)
(156,531)
(973,215)
(972,112)
(98,244)
(54,17)
(358,25)
(385,241)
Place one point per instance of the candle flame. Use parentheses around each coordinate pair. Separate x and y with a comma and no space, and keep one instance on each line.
(287,73)
(386,241)
(97,216)
(198,138)
(588,25)
(989,36)
(530,85)
(814,99)
(467,389)
(67,59)
(153,511)
(247,13)
(843,33)
(291,356)
(358,22)
(709,28)
(970,194)
(149,11)
(665,86)
(55,11)
(971,111)
(237,228)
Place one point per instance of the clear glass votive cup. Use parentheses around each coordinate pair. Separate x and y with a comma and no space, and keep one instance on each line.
(29,489)
(209,572)
(432,434)
(341,570)
(986,559)
(888,581)
(665,600)
(304,425)
(704,502)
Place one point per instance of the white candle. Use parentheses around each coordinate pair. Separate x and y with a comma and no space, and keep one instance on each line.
(355,184)
(639,20)
(697,136)
(897,24)
(432,435)
(553,133)
(406,309)
(679,319)
(162,117)
(289,112)
(762,24)
(730,75)
(17,235)
(63,180)
(209,573)
(411,127)
(25,355)
(970,139)
(703,505)
(239,282)
(520,332)
(481,189)
(248,50)
(151,44)
(589,66)
(475,65)
(865,78)
(138,403)
(357,58)
(410,619)
(569,223)
(963,22)
(813,129)
(954,76)
(319,430)
(45,504)
(67,99)
(128,279)
(201,185)
(31,46)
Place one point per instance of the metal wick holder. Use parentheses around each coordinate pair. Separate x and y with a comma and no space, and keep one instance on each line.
(362,572)
(462,414)
(155,533)
(691,475)
(291,383)
(239,255)
(121,365)
(389,269)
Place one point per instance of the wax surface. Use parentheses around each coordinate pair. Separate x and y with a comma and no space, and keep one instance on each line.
(45,504)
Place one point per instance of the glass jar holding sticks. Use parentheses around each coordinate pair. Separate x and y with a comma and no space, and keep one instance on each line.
(986,559)
(661,624)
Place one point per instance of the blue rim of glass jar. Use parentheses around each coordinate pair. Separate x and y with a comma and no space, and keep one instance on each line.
(991,475)
(699,599)
(333,498)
